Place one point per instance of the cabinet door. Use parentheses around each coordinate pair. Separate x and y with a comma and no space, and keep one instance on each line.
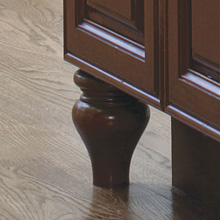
(117,37)
(194,62)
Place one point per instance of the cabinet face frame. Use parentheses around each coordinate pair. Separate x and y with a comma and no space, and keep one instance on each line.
(108,51)
(189,91)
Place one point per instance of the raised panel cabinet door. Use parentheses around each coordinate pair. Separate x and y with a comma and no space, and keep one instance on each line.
(206,37)
(123,8)
(115,38)
(128,14)
(194,59)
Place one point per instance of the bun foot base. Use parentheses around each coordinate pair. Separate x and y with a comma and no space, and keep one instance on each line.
(110,123)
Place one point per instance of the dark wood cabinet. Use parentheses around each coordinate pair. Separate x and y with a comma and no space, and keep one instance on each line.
(194,58)
(120,39)
(163,53)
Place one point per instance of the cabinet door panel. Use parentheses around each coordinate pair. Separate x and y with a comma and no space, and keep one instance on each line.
(194,60)
(205,36)
(124,17)
(123,7)
(119,37)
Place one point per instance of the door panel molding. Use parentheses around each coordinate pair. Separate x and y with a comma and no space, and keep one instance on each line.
(127,54)
(190,90)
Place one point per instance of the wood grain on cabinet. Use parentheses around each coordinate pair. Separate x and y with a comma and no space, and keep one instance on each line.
(91,40)
(164,53)
(205,40)
(190,90)
(125,17)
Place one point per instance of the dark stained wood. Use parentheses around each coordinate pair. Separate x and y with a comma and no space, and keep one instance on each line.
(123,8)
(110,124)
(123,56)
(169,76)
(189,91)
(120,84)
(45,172)
(196,164)
(176,66)
(125,17)
(205,37)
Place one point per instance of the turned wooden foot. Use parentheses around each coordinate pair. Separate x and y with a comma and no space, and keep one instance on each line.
(110,124)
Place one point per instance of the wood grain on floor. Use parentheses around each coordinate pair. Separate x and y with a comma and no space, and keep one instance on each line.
(45,172)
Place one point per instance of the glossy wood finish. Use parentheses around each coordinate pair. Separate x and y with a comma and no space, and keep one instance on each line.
(189,90)
(123,56)
(125,17)
(172,63)
(110,123)
(45,172)
(196,164)
(205,37)
(172,78)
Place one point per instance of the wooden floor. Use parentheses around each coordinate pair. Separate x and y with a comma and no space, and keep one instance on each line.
(45,171)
